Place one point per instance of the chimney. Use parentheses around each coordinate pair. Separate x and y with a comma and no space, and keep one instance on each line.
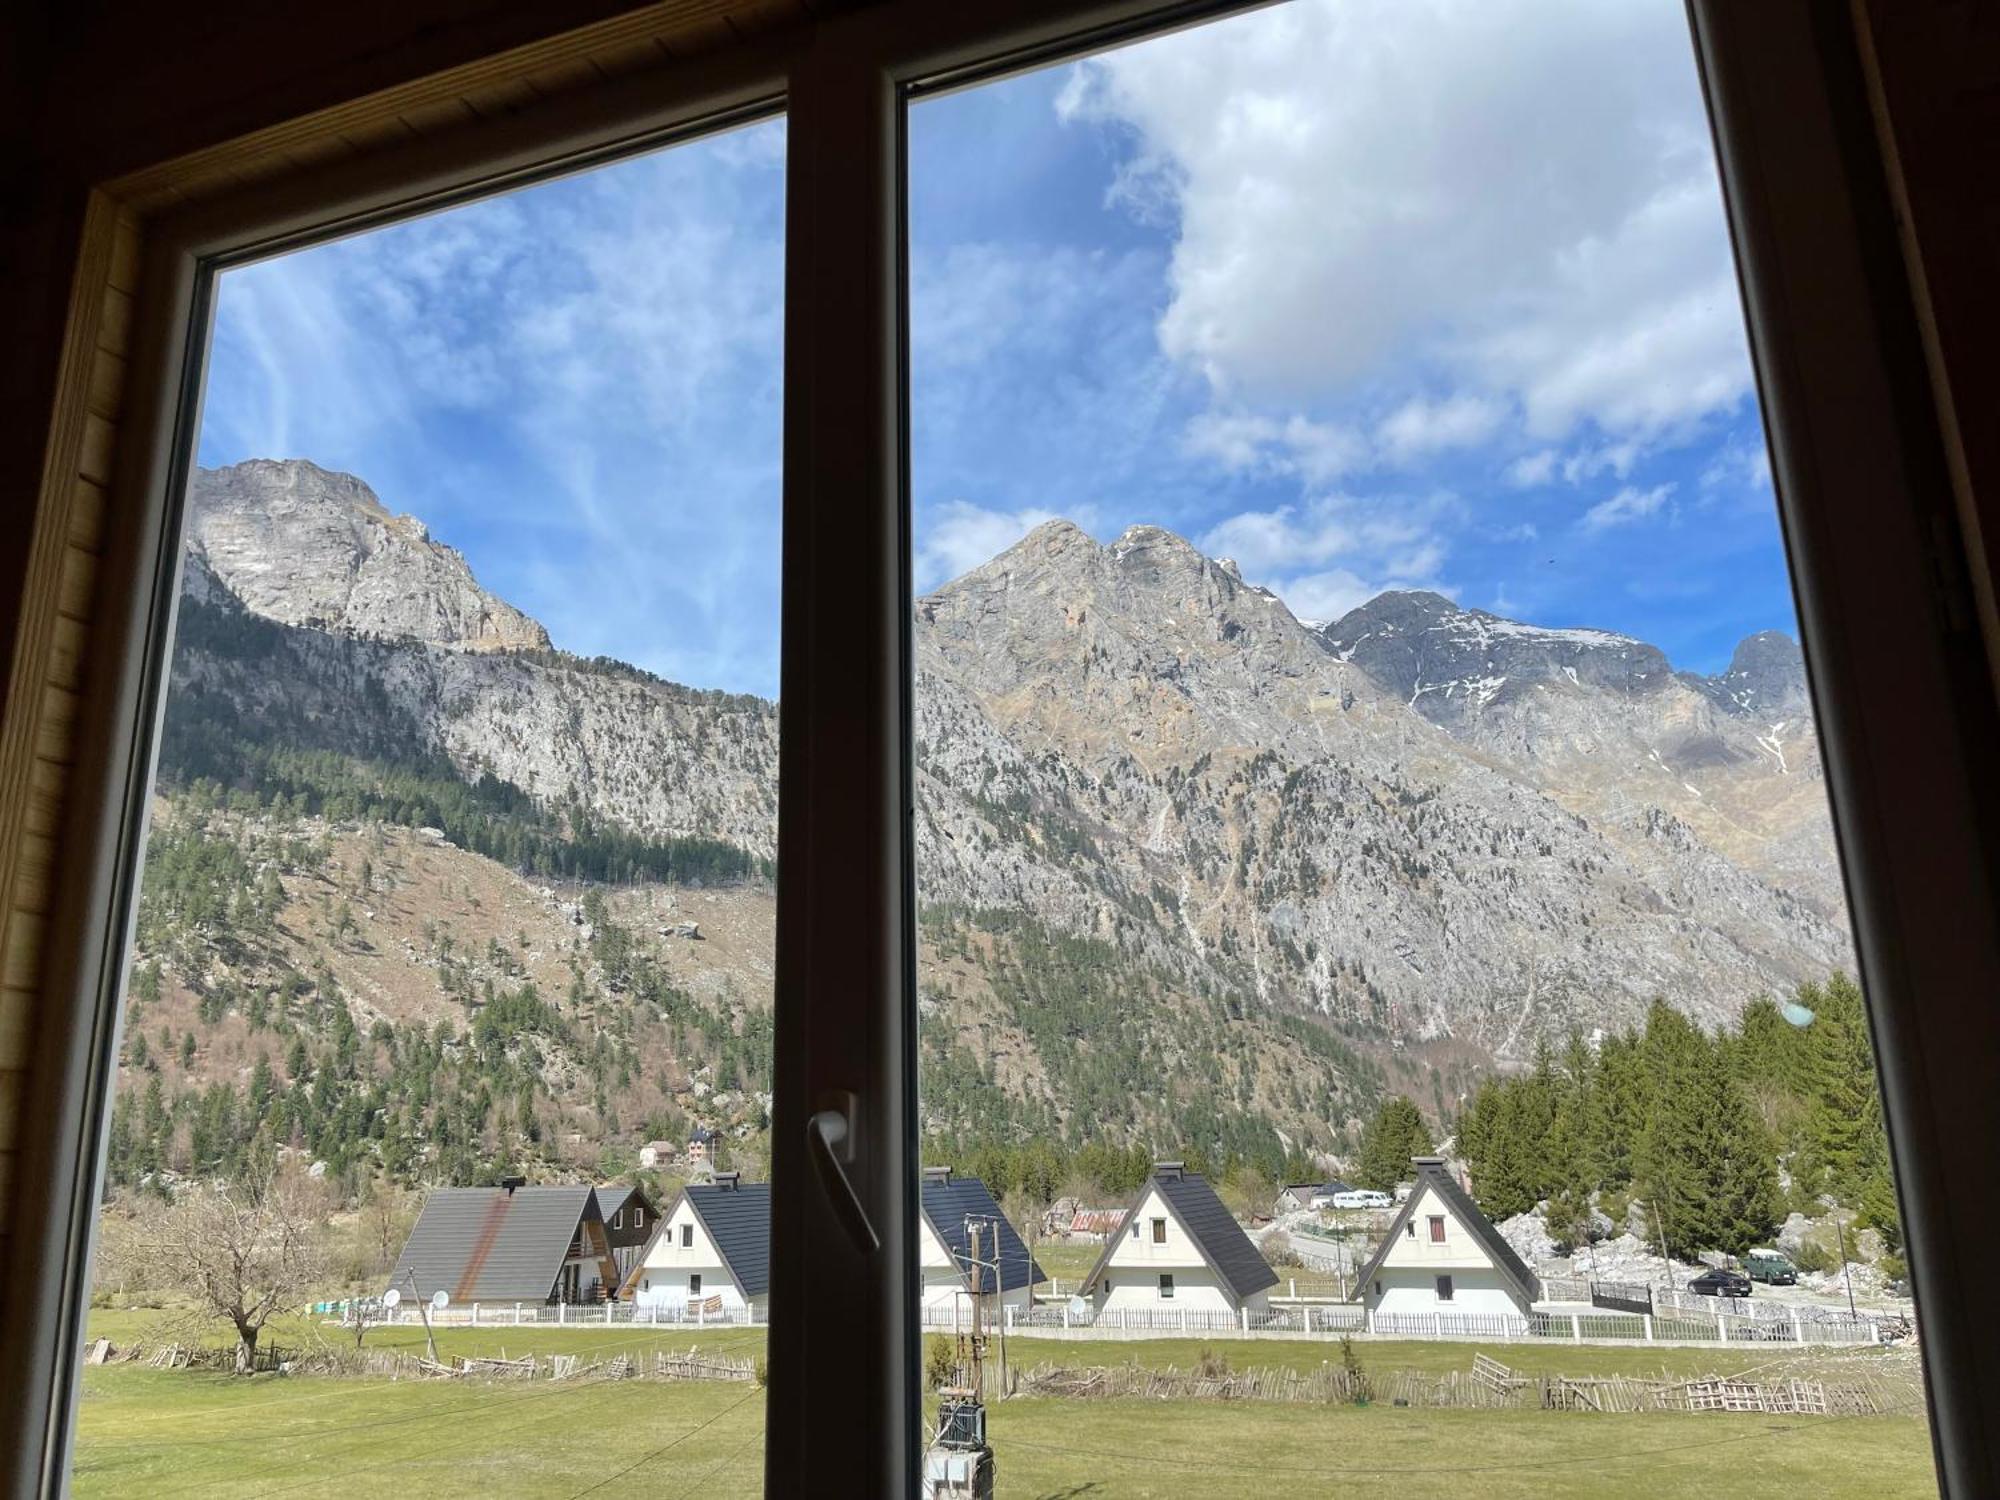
(1427,1163)
(1170,1171)
(727,1180)
(510,1183)
(937,1174)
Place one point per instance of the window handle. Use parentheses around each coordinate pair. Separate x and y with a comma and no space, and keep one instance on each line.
(829,1142)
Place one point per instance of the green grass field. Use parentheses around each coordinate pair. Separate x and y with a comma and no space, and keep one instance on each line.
(158,1433)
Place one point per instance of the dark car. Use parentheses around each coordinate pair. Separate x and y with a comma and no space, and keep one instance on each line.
(1720,1284)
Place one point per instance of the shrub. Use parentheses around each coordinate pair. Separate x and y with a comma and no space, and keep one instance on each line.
(1814,1256)
(940,1362)
(1358,1390)
(1210,1365)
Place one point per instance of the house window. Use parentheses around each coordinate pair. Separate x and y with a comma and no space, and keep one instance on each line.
(687,1236)
(1166,1287)
(1135,1229)
(1437,1229)
(645,1283)
(638,1218)
(694,1285)
(1410,1229)
(1159,1231)
(1444,1289)
(618,1219)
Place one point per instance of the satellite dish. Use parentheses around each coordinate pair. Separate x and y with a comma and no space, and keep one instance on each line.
(440,1300)
(391,1297)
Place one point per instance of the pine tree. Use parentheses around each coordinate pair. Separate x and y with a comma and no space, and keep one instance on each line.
(1570,1179)
(1396,1134)
(1705,1164)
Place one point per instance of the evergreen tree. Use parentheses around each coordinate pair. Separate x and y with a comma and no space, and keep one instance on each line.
(1705,1164)
(1396,1134)
(1570,1178)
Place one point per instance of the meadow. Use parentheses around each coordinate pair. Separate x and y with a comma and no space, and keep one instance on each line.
(166,1433)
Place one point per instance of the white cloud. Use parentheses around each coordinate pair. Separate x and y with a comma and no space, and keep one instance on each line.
(1740,466)
(1419,428)
(958,536)
(1248,442)
(1325,556)
(1625,507)
(1602,458)
(1515,196)
(1323,597)
(1532,470)
(1278,540)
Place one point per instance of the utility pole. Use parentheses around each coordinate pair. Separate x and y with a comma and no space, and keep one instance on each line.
(1846,1275)
(423,1311)
(1666,1258)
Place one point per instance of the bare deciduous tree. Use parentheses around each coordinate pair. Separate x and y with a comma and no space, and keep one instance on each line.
(243,1252)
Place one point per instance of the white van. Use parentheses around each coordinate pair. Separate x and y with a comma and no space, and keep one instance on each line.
(1361,1198)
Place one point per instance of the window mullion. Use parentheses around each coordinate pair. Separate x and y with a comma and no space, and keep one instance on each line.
(843,1337)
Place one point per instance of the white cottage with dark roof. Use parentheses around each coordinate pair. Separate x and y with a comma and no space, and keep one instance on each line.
(1007,1274)
(1178,1247)
(1442,1254)
(711,1252)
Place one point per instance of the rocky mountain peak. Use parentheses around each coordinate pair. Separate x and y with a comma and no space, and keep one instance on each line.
(1766,678)
(310,546)
(1448,661)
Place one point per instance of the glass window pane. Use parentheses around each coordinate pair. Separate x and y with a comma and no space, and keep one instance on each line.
(447,1045)
(1371,824)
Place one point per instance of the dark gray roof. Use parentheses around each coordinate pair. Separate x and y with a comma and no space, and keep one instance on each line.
(1214,1230)
(1431,1174)
(613,1196)
(947,1203)
(490,1245)
(738,1219)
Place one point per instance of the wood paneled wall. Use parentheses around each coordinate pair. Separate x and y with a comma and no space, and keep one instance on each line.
(46,676)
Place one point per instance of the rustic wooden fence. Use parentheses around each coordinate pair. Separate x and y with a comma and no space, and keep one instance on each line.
(1487,1385)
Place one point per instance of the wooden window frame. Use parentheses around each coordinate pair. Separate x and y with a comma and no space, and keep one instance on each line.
(1880,568)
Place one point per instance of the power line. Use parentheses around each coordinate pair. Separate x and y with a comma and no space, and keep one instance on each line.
(641,1462)
(403,1458)
(728,1458)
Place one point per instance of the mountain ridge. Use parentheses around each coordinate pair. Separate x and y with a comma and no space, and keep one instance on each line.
(1128,743)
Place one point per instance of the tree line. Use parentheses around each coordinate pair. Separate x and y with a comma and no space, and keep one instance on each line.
(1718,1136)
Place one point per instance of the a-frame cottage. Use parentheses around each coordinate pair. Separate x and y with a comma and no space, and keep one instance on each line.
(1442,1254)
(953,1206)
(510,1243)
(1178,1247)
(710,1254)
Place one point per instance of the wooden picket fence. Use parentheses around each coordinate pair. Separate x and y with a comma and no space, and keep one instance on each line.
(1488,1384)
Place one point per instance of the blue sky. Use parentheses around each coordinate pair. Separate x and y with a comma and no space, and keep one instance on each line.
(1362,293)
